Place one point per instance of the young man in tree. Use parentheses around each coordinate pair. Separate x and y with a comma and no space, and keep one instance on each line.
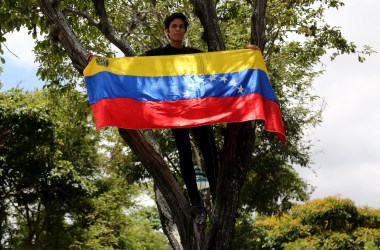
(175,28)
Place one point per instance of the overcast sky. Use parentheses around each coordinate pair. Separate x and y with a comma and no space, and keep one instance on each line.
(349,137)
(347,144)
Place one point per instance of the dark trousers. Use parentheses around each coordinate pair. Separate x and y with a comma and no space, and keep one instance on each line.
(206,143)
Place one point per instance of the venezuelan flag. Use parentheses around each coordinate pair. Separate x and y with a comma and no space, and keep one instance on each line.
(182,91)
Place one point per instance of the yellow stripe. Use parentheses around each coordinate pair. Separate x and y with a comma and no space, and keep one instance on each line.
(189,64)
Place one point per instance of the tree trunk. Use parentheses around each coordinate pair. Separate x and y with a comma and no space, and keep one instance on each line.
(165,182)
(206,11)
(258,23)
(237,151)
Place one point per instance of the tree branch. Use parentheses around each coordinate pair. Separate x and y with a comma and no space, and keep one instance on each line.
(167,222)
(83,14)
(237,152)
(106,28)
(165,182)
(65,34)
(206,12)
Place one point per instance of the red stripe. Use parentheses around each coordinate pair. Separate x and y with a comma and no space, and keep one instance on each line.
(132,114)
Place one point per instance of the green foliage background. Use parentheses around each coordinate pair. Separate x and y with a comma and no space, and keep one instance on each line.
(59,188)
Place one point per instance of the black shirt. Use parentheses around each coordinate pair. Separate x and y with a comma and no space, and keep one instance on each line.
(169,50)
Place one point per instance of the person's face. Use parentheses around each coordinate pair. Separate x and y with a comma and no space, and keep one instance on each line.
(176,30)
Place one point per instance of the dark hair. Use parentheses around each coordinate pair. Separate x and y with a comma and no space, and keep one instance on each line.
(173,16)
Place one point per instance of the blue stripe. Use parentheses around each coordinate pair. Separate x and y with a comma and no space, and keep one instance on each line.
(171,88)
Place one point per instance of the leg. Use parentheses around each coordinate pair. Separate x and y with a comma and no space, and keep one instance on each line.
(182,140)
(206,143)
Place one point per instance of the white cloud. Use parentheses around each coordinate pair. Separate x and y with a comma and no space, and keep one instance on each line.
(20,44)
(19,68)
(363,189)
